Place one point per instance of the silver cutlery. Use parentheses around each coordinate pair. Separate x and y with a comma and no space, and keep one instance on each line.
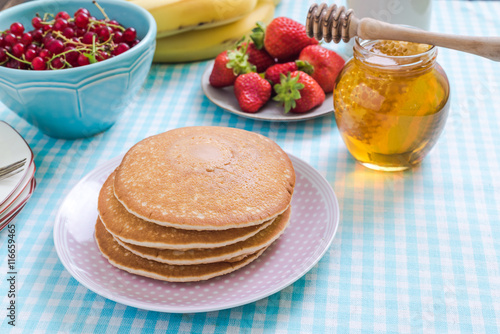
(12,169)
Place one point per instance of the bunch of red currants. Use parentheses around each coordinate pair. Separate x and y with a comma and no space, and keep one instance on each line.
(62,41)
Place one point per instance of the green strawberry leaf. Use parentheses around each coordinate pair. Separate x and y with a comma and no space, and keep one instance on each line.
(238,59)
(305,66)
(288,91)
(258,34)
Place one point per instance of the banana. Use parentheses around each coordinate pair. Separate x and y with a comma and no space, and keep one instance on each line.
(208,43)
(177,16)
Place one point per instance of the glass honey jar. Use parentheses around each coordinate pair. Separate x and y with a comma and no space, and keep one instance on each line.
(391,103)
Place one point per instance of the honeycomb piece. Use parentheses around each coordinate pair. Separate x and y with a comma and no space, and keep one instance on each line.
(397,48)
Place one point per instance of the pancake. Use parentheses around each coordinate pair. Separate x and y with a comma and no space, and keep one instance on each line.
(205,178)
(125,260)
(198,256)
(136,231)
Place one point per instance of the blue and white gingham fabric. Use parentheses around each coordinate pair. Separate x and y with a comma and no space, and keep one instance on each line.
(417,251)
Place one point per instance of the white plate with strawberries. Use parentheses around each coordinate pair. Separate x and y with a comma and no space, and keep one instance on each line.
(280,75)
(272,111)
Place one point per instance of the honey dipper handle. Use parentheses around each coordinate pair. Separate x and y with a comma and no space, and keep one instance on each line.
(488,47)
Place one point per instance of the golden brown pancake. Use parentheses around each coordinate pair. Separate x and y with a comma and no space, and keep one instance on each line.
(136,231)
(125,260)
(227,253)
(205,178)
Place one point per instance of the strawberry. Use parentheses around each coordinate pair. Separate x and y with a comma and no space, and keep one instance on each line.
(327,65)
(259,57)
(257,54)
(228,65)
(299,92)
(285,38)
(273,72)
(252,91)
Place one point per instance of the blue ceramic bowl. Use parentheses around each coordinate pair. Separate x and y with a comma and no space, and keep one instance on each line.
(82,101)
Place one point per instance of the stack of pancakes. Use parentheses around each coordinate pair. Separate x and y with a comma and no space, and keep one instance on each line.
(194,203)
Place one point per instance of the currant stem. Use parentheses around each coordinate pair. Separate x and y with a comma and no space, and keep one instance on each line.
(18,59)
(101,9)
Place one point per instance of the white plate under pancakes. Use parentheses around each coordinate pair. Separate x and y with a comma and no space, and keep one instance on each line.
(312,227)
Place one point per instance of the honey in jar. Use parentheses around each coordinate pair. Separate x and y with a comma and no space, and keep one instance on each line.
(391,103)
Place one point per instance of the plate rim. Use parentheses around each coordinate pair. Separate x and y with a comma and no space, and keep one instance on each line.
(58,229)
(26,180)
(7,216)
(31,161)
(256,116)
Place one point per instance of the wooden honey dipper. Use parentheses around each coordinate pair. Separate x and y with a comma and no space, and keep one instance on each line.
(337,23)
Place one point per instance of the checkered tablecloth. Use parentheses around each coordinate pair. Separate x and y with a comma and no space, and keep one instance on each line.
(417,251)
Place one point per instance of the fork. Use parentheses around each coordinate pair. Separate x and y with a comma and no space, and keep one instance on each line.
(12,169)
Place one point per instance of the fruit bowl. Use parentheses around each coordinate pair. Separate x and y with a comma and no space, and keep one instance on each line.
(82,101)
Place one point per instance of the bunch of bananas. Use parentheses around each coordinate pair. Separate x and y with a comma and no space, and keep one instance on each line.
(191,30)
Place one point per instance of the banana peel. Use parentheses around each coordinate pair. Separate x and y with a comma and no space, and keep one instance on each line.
(203,44)
(177,16)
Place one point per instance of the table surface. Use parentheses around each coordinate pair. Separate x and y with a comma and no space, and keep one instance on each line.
(415,251)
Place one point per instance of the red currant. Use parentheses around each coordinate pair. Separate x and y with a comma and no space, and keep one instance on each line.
(80,32)
(68,32)
(104,33)
(62,15)
(38,64)
(12,63)
(82,20)
(47,39)
(17,28)
(121,48)
(27,38)
(30,54)
(45,54)
(9,39)
(134,43)
(3,55)
(36,22)
(117,37)
(129,35)
(60,24)
(37,35)
(88,38)
(57,63)
(82,60)
(82,11)
(115,23)
(18,50)
(56,47)
(57,43)
(71,57)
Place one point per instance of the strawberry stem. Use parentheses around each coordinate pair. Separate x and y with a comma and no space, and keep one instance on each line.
(288,91)
(238,60)
(305,66)
(258,34)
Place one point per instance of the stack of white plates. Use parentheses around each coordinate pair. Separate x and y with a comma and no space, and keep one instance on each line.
(16,189)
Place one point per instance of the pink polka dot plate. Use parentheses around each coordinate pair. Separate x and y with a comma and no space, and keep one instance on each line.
(312,227)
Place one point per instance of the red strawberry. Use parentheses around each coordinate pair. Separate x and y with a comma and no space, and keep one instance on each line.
(273,72)
(299,92)
(252,91)
(260,58)
(228,65)
(257,54)
(327,65)
(285,38)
